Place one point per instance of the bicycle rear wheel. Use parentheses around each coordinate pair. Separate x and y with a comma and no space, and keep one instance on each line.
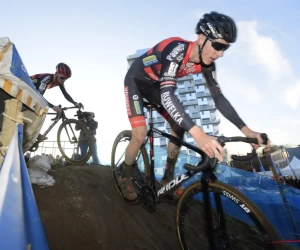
(67,140)
(139,169)
(238,224)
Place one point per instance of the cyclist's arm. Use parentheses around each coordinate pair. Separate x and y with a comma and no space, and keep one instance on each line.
(66,95)
(222,104)
(168,80)
(50,104)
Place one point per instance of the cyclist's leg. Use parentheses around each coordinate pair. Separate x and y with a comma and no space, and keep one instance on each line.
(138,137)
(134,105)
(135,113)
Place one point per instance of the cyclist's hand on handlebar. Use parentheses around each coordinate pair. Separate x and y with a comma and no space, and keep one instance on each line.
(257,135)
(210,146)
(79,105)
(56,109)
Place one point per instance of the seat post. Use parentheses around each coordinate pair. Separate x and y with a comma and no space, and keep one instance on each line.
(150,106)
(150,116)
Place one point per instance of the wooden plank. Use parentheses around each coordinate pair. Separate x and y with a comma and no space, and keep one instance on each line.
(12,110)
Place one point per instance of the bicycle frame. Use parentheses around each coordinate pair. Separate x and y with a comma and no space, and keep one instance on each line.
(177,181)
(52,124)
(42,137)
(205,165)
(55,120)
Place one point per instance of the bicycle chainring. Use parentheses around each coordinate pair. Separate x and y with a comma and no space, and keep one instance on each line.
(34,147)
(148,199)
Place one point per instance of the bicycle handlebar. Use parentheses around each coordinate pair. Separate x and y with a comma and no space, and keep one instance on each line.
(73,107)
(206,161)
(58,114)
(66,108)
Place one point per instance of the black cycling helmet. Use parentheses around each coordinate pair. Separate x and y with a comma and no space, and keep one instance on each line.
(63,70)
(214,25)
(219,25)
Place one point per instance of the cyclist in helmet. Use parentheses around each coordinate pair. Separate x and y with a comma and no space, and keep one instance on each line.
(153,76)
(47,81)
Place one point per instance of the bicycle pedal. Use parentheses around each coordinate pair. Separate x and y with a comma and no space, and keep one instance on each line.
(41,138)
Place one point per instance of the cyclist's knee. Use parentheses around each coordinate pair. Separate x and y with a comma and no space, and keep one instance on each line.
(138,135)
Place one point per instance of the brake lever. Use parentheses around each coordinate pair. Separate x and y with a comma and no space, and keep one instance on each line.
(81,106)
(221,140)
(56,117)
(265,138)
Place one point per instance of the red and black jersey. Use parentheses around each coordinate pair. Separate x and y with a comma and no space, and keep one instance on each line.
(166,61)
(163,64)
(43,82)
(46,81)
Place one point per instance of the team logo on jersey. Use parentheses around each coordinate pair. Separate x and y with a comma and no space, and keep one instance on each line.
(179,58)
(147,61)
(175,52)
(188,68)
(44,83)
(129,113)
(172,69)
(170,107)
(137,107)
(135,97)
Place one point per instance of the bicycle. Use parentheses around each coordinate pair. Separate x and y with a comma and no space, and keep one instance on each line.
(218,230)
(72,127)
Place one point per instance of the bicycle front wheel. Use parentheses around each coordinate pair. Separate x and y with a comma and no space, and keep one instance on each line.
(222,218)
(67,140)
(140,167)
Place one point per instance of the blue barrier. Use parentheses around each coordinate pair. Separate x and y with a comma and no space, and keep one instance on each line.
(20,222)
(280,203)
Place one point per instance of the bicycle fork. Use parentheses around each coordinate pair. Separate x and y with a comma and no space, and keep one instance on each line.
(215,230)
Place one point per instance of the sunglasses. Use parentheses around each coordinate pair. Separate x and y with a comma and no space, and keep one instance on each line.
(219,46)
(61,77)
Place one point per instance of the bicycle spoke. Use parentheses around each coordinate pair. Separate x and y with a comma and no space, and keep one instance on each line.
(118,156)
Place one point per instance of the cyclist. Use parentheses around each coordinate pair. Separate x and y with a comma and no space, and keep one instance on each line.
(48,81)
(153,76)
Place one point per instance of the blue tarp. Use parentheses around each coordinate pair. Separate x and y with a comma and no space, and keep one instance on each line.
(279,202)
(20,223)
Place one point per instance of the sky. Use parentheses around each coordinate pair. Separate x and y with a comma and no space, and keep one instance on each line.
(258,74)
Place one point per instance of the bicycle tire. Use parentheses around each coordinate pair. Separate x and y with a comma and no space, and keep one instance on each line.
(216,187)
(126,134)
(90,141)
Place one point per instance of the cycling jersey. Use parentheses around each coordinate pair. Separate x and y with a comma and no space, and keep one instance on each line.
(153,76)
(46,81)
(158,69)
